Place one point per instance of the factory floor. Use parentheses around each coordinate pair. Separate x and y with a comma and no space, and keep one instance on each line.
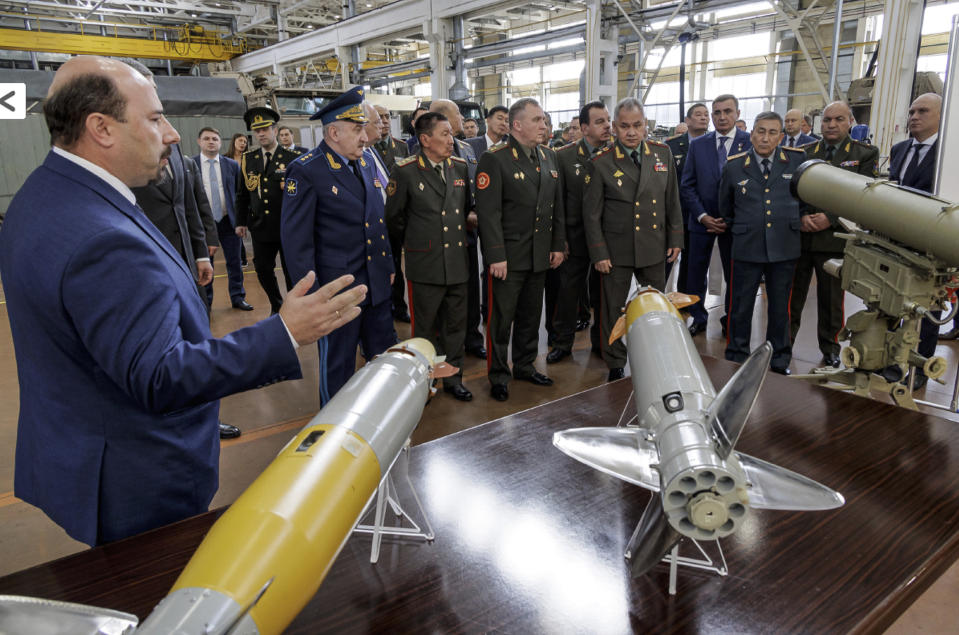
(269,417)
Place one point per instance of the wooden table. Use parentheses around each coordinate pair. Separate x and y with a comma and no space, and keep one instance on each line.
(528,540)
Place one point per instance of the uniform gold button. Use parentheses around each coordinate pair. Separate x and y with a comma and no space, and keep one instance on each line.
(654,213)
(654,226)
(460,244)
(382,237)
(767,189)
(637,215)
(637,203)
(369,257)
(369,242)
(443,213)
(367,224)
(446,229)
(381,220)
(768,213)
(654,201)
(768,202)
(459,227)
(384,253)
(457,211)
(637,228)
(266,212)
(446,245)
(769,224)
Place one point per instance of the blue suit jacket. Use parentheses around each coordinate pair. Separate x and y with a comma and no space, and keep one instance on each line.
(119,374)
(330,226)
(230,173)
(699,186)
(925,174)
(801,140)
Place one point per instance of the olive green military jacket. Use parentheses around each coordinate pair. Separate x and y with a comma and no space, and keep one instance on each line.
(261,192)
(851,155)
(632,214)
(428,217)
(520,206)
(391,150)
(574,164)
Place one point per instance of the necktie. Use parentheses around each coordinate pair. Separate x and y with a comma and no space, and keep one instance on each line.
(910,172)
(215,203)
(269,155)
(722,152)
(766,168)
(359,175)
(830,151)
(439,170)
(635,155)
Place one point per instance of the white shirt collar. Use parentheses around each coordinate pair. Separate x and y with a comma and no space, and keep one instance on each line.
(215,157)
(928,142)
(489,141)
(89,166)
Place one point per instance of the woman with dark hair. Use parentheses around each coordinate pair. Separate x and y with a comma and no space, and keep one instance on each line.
(238,145)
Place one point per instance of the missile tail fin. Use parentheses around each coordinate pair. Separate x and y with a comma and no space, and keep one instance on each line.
(652,540)
(728,413)
(775,487)
(621,452)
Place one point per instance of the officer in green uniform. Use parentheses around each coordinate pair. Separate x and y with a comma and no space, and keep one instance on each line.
(428,199)
(633,219)
(819,244)
(571,276)
(390,149)
(258,202)
(519,198)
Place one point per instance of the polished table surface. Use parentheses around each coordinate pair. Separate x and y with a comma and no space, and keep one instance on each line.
(530,541)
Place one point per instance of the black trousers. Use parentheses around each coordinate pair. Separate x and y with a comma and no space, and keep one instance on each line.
(829,299)
(438,313)
(744,281)
(570,296)
(515,304)
(264,262)
(700,252)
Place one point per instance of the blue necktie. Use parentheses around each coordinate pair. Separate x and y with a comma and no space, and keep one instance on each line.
(909,174)
(722,152)
(215,202)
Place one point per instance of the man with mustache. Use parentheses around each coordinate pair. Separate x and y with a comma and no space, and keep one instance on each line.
(119,374)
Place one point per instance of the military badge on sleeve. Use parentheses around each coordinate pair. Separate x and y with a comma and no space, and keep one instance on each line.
(291,187)
(482,181)
(391,188)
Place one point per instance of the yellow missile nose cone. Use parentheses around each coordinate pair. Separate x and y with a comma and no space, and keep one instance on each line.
(647,302)
(421,346)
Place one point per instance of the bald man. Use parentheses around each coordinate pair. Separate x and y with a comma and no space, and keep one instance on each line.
(793,136)
(120,378)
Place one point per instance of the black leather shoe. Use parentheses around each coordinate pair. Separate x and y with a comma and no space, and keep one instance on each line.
(696,328)
(499,392)
(919,382)
(950,334)
(243,305)
(781,371)
(537,378)
(596,350)
(477,351)
(616,373)
(459,391)
(582,325)
(401,317)
(228,432)
(831,359)
(557,355)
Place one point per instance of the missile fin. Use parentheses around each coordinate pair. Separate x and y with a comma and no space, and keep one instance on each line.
(619,329)
(775,487)
(728,413)
(652,540)
(625,453)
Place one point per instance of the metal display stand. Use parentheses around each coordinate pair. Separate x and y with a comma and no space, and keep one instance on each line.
(673,559)
(387,496)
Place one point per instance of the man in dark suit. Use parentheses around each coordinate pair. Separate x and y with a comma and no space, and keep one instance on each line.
(632,217)
(333,224)
(575,165)
(220,179)
(284,135)
(697,122)
(763,219)
(519,198)
(913,164)
(428,200)
(119,374)
(819,243)
(698,189)
(260,200)
(497,127)
(793,136)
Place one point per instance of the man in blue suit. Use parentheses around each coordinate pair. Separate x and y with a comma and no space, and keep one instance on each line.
(913,163)
(793,136)
(221,180)
(119,374)
(333,223)
(698,190)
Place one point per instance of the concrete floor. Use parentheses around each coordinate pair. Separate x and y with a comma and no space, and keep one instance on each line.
(269,417)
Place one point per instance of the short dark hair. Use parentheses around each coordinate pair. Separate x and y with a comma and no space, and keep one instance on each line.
(740,121)
(426,123)
(727,97)
(768,115)
(282,128)
(808,119)
(208,129)
(584,111)
(66,111)
(698,104)
(495,109)
(471,119)
(518,106)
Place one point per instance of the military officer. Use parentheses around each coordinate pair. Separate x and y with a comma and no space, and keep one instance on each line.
(519,195)
(696,122)
(575,165)
(260,199)
(390,148)
(763,218)
(633,219)
(819,244)
(333,224)
(428,199)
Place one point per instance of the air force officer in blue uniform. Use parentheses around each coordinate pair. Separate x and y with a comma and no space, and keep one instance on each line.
(333,223)
(698,190)
(119,374)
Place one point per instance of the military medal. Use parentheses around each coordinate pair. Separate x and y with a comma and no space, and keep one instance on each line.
(554,174)
(516,175)
(617,174)
(459,183)
(659,167)
(619,183)
(421,187)
(376,183)
(335,191)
